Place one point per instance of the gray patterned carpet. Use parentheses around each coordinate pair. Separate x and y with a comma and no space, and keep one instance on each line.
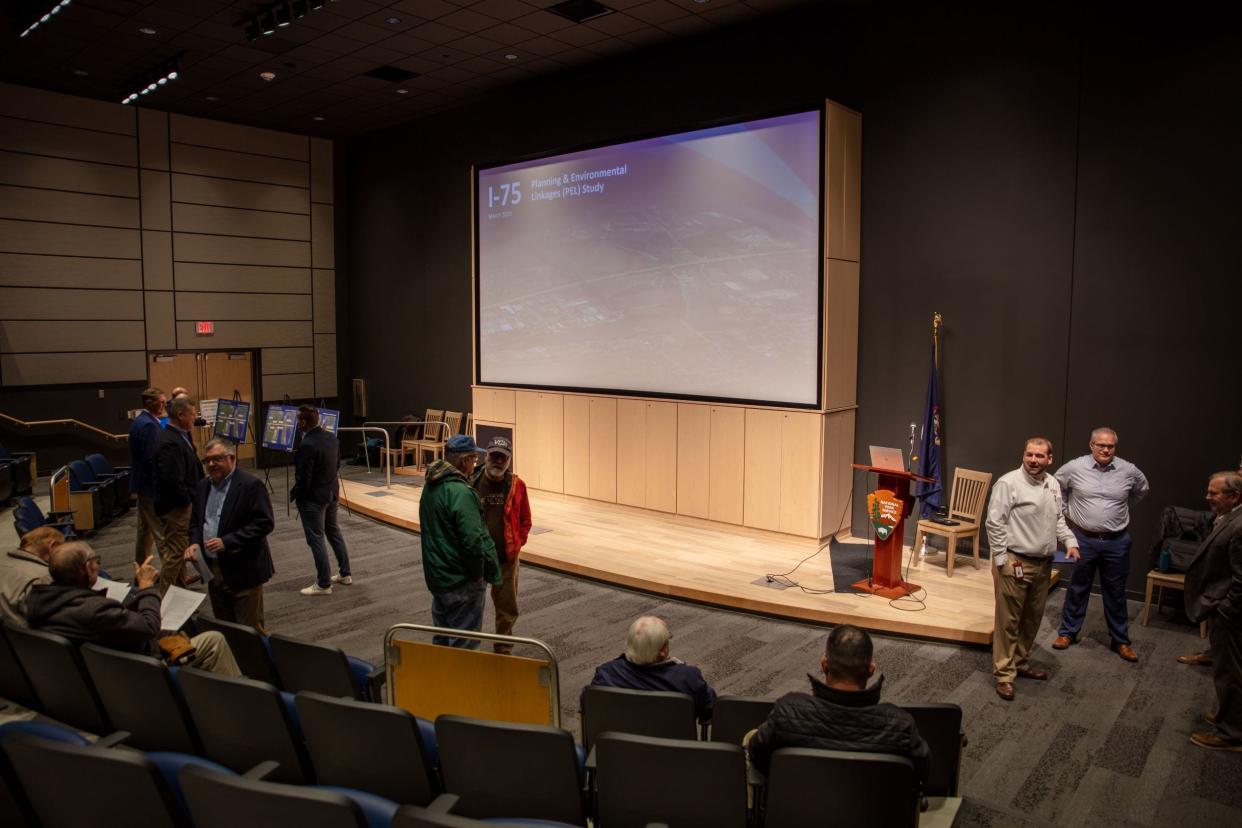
(1103,743)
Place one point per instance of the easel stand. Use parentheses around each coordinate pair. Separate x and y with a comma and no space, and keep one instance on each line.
(886,577)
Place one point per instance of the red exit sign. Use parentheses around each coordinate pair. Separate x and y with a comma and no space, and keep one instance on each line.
(204,328)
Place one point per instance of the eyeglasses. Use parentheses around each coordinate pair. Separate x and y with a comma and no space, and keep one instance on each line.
(1108,446)
(216,458)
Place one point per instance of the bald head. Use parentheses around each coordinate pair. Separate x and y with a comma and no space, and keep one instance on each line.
(74,564)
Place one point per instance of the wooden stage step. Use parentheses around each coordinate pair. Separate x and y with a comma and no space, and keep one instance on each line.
(714,563)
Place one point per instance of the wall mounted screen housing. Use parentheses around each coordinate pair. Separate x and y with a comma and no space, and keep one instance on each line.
(686,266)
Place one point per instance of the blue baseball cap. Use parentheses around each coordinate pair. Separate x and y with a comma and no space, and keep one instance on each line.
(462,444)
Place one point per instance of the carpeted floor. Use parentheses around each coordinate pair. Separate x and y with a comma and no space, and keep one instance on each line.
(1103,743)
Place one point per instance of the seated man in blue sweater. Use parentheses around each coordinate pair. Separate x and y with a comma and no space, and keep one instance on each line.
(646,665)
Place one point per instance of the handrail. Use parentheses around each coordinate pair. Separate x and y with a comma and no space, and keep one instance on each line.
(68,422)
(440,423)
(387,445)
(554,677)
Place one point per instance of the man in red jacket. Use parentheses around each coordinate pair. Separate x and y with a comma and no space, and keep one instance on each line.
(506,513)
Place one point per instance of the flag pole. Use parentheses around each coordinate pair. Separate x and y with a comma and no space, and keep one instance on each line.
(937,324)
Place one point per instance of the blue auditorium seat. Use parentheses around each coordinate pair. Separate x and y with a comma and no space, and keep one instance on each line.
(119,476)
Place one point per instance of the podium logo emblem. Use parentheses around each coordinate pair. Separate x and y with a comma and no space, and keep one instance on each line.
(885,510)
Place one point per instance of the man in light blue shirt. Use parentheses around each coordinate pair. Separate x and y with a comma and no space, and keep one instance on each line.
(1099,489)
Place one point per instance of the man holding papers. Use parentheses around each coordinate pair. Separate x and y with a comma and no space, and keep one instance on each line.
(231,520)
(69,606)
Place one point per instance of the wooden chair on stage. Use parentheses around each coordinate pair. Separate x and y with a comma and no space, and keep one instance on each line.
(414,435)
(405,445)
(435,438)
(970,492)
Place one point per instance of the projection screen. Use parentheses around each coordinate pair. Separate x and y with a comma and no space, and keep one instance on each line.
(686,266)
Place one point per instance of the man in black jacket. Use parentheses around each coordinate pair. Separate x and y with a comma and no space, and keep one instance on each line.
(69,607)
(841,712)
(1214,595)
(177,472)
(315,493)
(231,520)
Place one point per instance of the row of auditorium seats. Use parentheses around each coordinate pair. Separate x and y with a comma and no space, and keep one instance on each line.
(494,769)
(16,474)
(98,491)
(27,516)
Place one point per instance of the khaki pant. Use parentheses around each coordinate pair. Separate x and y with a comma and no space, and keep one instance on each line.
(212,653)
(244,606)
(176,529)
(504,598)
(150,530)
(1019,609)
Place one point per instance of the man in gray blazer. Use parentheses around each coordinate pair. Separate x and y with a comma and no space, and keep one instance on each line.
(1214,594)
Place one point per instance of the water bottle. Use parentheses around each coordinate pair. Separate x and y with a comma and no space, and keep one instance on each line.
(1166,559)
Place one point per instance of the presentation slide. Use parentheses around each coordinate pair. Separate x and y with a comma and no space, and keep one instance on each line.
(280,428)
(685,265)
(329,418)
(232,419)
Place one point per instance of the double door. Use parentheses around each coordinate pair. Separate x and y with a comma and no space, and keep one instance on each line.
(209,375)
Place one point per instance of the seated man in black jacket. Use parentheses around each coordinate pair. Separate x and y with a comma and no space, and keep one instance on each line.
(841,712)
(70,607)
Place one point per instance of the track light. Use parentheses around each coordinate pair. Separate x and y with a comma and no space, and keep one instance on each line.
(153,81)
(45,18)
(283,16)
(299,9)
(277,15)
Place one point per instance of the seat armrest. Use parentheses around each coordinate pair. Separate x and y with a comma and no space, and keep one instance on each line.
(113,739)
(262,770)
(443,804)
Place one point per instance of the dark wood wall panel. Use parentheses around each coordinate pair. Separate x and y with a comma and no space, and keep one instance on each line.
(19,269)
(223,192)
(63,174)
(34,204)
(68,240)
(230,221)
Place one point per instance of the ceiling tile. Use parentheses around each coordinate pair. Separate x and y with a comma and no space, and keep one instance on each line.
(430,9)
(503,9)
(657,11)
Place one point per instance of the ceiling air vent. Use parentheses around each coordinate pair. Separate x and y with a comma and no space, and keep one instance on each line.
(391,73)
(580,11)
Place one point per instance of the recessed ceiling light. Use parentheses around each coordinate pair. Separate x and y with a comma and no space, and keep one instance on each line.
(392,21)
(403,91)
(147,30)
(81,73)
(317,118)
(511,56)
(268,76)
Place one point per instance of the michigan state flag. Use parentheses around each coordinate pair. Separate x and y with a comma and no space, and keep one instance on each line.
(931,494)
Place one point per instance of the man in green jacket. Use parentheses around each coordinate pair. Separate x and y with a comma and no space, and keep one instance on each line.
(459,557)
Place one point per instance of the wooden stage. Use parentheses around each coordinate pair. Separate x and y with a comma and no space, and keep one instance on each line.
(717,564)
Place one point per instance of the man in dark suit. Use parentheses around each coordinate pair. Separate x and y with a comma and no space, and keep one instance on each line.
(229,525)
(144,439)
(1214,594)
(177,472)
(315,493)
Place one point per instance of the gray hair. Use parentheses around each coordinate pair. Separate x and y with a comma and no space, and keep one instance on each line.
(647,636)
(1231,481)
(1103,430)
(178,405)
(67,560)
(228,446)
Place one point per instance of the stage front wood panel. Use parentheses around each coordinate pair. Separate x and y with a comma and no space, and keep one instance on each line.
(714,563)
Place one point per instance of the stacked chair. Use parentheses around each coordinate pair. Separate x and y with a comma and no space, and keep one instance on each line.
(21,469)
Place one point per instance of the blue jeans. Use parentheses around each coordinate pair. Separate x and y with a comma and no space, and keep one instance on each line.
(459,609)
(1112,559)
(319,524)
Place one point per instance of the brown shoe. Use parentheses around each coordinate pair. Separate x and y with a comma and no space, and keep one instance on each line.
(1126,652)
(1004,689)
(1063,642)
(1203,659)
(1212,741)
(1033,673)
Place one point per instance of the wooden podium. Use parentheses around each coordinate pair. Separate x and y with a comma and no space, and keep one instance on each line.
(885,577)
